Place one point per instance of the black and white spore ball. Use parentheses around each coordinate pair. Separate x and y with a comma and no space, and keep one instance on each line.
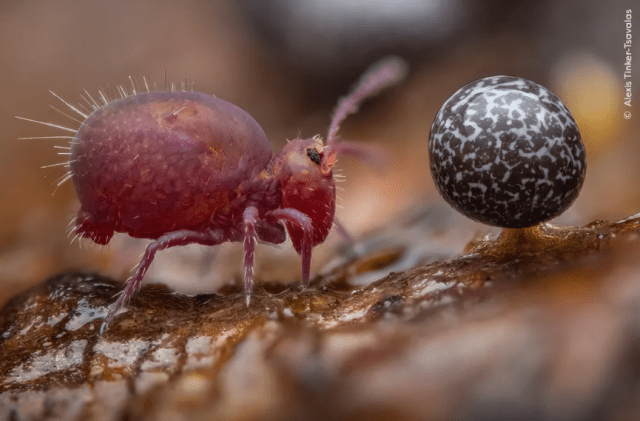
(506,151)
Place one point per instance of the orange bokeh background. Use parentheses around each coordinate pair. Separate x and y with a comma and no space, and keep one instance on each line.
(71,45)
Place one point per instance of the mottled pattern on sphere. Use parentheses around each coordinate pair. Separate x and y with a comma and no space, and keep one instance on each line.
(506,151)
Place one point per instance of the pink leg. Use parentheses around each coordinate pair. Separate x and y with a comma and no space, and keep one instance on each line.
(172,239)
(250,216)
(343,231)
(375,156)
(358,249)
(296,217)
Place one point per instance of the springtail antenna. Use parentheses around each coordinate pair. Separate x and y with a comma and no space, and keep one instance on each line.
(386,72)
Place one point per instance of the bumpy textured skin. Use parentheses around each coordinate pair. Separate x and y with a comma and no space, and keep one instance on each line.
(506,151)
(165,161)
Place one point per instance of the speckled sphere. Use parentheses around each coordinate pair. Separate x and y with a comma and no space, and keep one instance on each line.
(506,151)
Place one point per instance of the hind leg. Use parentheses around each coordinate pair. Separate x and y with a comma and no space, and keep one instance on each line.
(172,239)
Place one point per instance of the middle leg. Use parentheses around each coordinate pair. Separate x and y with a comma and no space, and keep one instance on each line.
(250,219)
(303,221)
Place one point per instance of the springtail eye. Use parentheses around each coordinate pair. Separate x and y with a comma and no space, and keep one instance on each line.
(313,155)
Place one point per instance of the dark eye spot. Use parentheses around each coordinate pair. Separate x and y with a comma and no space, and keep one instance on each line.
(313,155)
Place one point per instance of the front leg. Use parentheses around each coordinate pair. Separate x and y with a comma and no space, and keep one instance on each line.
(356,248)
(376,157)
(303,221)
(171,239)
(343,232)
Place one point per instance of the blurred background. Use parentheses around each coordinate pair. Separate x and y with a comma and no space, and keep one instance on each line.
(287,62)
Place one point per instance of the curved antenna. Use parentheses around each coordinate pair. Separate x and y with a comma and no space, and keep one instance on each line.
(384,73)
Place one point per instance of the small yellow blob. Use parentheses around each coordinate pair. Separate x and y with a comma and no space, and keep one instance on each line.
(592,90)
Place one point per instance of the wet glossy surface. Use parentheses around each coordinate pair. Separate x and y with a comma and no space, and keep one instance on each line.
(511,309)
